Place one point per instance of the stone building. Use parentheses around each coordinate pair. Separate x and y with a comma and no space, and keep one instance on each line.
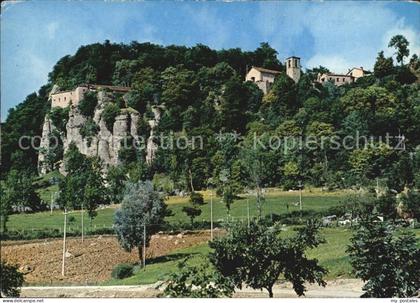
(340,79)
(63,99)
(264,78)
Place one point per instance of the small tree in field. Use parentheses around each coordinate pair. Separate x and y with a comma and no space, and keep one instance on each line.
(141,206)
(257,256)
(387,262)
(196,199)
(11,280)
(197,282)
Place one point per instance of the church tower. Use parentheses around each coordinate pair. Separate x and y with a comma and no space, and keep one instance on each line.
(293,68)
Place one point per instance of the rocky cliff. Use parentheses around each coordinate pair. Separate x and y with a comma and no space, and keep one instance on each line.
(105,144)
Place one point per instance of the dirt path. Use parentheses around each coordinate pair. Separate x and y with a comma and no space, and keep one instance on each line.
(90,262)
(343,288)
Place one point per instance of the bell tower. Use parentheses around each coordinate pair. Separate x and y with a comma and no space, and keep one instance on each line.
(293,68)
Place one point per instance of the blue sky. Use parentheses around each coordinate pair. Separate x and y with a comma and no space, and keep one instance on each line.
(338,35)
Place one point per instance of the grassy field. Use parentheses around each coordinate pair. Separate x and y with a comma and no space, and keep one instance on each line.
(331,254)
(276,202)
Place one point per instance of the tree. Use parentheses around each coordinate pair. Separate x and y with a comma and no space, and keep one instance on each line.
(411,203)
(88,104)
(196,199)
(116,178)
(400,43)
(5,208)
(197,282)
(19,192)
(256,256)
(111,111)
(142,208)
(387,260)
(383,66)
(11,280)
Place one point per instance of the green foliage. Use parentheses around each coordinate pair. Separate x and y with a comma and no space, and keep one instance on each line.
(122,271)
(387,206)
(25,119)
(110,112)
(116,177)
(161,182)
(197,282)
(191,212)
(400,43)
(59,117)
(383,66)
(88,130)
(196,199)
(88,104)
(11,280)
(256,256)
(83,185)
(140,207)
(19,192)
(387,261)
(411,203)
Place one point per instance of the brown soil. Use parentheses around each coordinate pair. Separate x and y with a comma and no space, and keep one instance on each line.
(90,262)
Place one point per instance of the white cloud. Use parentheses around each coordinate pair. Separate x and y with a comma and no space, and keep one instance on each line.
(334,63)
(52,28)
(344,34)
(408,32)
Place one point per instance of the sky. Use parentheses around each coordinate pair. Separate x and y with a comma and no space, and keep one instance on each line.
(337,35)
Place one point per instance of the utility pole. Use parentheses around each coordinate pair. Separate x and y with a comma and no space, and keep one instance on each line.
(144,245)
(64,244)
(211,215)
(82,222)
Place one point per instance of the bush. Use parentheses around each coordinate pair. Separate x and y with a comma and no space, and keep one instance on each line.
(196,198)
(387,260)
(11,280)
(88,103)
(109,114)
(122,271)
(88,130)
(59,117)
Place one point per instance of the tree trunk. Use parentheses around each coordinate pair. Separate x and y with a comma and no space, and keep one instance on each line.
(140,248)
(270,291)
(191,181)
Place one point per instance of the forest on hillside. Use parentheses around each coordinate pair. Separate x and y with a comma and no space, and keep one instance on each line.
(204,94)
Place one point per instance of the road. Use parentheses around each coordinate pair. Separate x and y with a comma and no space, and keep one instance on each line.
(341,288)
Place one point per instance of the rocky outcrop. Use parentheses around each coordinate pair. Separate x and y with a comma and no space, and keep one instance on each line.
(106,144)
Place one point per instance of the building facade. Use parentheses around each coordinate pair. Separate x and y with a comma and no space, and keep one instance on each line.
(73,97)
(340,79)
(264,78)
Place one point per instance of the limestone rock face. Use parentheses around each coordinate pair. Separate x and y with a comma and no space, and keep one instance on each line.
(106,144)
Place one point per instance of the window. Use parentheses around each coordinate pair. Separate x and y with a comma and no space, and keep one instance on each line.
(344,79)
(288,62)
(64,98)
(338,79)
(253,79)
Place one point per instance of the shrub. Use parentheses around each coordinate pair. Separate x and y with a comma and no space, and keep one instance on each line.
(197,282)
(88,103)
(122,271)
(196,198)
(387,260)
(88,130)
(11,280)
(111,111)
(59,117)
